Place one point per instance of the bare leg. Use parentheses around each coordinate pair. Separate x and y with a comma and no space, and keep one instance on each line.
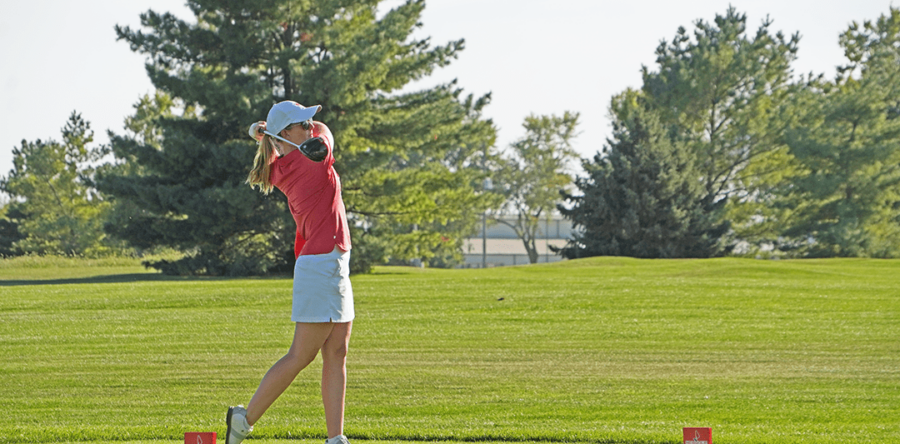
(308,339)
(334,377)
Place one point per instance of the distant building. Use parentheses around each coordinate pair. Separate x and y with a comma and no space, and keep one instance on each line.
(504,248)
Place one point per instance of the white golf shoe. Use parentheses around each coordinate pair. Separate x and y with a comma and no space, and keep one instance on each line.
(238,428)
(340,439)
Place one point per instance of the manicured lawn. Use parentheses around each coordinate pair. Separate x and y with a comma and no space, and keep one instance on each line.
(599,350)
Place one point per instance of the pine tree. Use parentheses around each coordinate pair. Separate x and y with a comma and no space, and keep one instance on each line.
(725,91)
(642,197)
(10,216)
(404,157)
(847,200)
(55,210)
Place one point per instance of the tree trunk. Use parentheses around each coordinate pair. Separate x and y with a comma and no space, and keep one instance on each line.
(531,249)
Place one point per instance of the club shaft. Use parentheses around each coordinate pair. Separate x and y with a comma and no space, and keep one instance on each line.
(281,138)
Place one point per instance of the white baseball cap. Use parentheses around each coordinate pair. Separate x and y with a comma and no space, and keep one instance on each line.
(285,113)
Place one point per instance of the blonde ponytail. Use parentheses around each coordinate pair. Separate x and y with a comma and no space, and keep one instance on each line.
(261,174)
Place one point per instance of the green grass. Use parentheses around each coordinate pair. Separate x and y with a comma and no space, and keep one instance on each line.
(600,350)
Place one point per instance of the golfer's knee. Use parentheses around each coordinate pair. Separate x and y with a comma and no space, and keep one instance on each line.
(298,361)
(335,352)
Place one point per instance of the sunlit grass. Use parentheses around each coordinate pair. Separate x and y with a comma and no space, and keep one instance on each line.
(599,350)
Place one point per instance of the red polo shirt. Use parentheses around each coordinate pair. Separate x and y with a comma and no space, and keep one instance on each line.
(313,192)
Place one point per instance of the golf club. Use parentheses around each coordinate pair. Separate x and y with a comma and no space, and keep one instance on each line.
(281,138)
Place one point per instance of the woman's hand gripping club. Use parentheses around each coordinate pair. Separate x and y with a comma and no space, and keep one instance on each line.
(315,149)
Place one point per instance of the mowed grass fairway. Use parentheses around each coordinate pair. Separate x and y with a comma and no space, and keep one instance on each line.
(605,350)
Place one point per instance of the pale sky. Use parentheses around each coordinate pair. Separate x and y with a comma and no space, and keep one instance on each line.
(535,56)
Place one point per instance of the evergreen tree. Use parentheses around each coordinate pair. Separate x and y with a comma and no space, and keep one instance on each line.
(847,200)
(54,210)
(404,157)
(10,215)
(724,91)
(534,172)
(642,197)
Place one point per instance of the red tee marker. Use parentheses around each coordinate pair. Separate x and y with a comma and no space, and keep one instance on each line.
(200,438)
(697,435)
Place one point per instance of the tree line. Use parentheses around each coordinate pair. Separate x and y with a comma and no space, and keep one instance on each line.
(721,151)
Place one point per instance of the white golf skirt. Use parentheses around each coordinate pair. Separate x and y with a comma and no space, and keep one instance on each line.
(322,291)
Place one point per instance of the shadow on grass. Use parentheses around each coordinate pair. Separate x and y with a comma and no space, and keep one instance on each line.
(125,278)
(152,277)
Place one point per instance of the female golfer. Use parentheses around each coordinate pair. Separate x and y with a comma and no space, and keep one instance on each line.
(295,155)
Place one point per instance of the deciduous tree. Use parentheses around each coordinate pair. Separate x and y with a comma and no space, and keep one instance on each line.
(534,171)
